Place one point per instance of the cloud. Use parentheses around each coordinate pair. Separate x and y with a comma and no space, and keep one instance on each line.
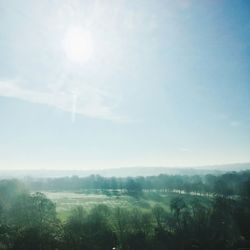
(88,101)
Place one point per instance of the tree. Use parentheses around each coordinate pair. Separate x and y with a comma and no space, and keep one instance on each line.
(133,188)
(89,230)
(177,205)
(159,215)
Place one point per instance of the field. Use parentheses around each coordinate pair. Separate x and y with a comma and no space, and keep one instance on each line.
(66,201)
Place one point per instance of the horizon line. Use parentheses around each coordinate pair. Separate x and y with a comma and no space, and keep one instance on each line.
(130,167)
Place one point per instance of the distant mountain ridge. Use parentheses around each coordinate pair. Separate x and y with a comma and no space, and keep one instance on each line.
(127,171)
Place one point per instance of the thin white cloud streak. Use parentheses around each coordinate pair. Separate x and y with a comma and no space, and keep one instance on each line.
(90,102)
(73,114)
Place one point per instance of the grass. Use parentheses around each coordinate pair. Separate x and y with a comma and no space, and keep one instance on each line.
(66,201)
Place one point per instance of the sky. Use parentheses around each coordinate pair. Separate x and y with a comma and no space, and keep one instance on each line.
(118,83)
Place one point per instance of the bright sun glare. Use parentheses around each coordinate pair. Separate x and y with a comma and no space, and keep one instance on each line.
(78,45)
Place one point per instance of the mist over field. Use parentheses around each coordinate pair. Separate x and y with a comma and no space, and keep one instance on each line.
(125,171)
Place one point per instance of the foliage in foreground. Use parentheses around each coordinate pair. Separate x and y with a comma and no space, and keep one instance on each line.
(29,221)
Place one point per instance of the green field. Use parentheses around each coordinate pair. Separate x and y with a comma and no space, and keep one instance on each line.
(66,201)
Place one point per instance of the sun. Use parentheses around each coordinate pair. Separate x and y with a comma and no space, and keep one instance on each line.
(78,45)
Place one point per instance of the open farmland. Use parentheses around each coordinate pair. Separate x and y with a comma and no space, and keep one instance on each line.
(67,201)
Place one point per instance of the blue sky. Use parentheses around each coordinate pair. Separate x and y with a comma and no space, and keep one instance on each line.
(101,84)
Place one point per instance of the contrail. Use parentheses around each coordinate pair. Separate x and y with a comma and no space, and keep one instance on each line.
(73,113)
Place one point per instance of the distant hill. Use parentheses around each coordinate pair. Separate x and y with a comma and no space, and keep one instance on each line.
(128,171)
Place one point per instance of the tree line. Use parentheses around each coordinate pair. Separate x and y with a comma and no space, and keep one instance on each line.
(228,184)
